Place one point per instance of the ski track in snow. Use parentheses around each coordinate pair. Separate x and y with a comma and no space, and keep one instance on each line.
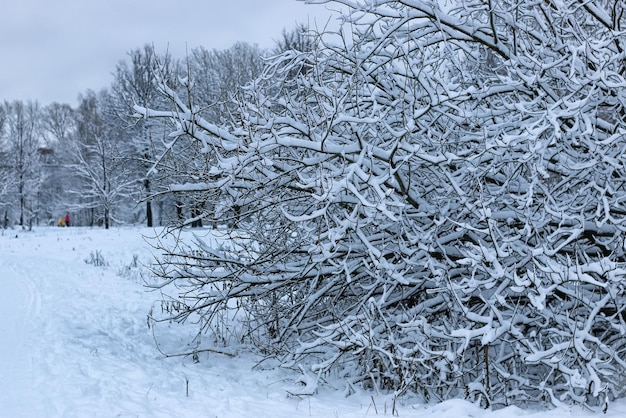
(19,307)
(74,342)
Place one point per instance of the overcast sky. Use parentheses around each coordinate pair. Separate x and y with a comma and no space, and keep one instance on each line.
(52,50)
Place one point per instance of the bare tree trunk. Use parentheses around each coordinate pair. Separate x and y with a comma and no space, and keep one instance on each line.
(149,222)
(107,221)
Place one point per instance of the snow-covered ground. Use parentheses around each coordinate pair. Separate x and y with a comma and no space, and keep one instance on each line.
(74,342)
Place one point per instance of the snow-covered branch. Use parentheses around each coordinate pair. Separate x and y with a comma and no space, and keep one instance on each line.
(439,199)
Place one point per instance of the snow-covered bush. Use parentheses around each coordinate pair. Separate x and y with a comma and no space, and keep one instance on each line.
(435,206)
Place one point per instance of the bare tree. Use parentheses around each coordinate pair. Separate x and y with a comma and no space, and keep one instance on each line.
(6,174)
(300,39)
(23,140)
(58,127)
(218,76)
(104,177)
(135,82)
(58,122)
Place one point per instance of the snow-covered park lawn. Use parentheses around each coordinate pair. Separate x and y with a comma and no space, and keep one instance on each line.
(74,342)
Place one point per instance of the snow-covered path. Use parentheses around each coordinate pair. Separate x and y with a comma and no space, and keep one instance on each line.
(74,343)
(19,307)
(74,340)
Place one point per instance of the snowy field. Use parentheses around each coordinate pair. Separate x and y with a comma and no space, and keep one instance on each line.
(75,343)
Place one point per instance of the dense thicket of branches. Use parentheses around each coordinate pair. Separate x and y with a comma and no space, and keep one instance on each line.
(435,205)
